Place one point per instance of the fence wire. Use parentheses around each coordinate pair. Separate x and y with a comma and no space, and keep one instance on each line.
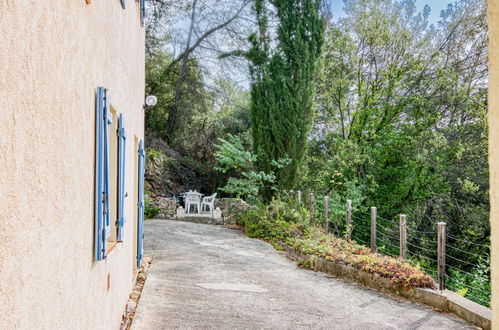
(466,242)
(421,245)
(466,252)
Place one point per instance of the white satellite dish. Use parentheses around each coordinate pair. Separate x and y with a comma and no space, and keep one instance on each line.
(151,100)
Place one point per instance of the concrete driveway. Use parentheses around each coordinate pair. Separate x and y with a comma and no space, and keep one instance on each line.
(211,277)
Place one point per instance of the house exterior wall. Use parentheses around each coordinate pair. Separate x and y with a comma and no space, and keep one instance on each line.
(53,55)
(493,8)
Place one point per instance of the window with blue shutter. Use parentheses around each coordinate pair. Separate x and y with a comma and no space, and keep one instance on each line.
(120,221)
(140,208)
(102,122)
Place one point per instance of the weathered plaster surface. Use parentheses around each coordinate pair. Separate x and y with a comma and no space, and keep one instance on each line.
(53,55)
(493,7)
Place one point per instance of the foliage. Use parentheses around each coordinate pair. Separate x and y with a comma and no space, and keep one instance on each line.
(232,155)
(196,32)
(401,116)
(228,115)
(274,222)
(154,154)
(283,66)
(204,116)
(163,85)
(476,285)
(279,222)
(246,181)
(349,253)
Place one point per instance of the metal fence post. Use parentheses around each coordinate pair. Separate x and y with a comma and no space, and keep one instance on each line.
(312,208)
(403,236)
(299,197)
(348,219)
(441,255)
(326,213)
(374,211)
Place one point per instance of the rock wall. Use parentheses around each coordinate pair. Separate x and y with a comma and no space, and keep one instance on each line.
(228,206)
(166,205)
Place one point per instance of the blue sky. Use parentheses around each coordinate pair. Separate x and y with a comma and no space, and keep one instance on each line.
(436,7)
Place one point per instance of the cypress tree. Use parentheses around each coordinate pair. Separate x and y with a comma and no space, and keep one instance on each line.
(283,66)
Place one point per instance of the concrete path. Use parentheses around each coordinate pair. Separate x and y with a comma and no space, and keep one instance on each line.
(211,277)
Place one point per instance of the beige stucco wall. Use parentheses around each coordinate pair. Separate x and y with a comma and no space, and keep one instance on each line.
(493,7)
(53,55)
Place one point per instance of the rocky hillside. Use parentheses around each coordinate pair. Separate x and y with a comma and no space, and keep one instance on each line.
(169,172)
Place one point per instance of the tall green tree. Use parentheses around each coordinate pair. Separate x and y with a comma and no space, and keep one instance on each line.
(284,65)
(402,112)
(164,86)
(402,125)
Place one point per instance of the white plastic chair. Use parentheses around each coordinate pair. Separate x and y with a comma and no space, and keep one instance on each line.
(209,202)
(191,200)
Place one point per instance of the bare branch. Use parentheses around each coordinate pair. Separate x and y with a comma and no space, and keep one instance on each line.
(189,49)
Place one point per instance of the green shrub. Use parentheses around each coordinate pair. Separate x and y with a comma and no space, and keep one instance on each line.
(349,253)
(245,180)
(274,222)
(474,285)
(281,222)
(154,154)
(258,224)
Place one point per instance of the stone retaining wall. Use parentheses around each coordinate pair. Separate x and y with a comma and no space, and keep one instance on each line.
(166,205)
(228,206)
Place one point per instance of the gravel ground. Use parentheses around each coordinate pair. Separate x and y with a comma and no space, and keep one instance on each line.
(211,277)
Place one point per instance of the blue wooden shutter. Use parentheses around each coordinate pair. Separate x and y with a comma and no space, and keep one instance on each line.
(101,173)
(99,176)
(142,12)
(123,4)
(120,221)
(107,122)
(140,223)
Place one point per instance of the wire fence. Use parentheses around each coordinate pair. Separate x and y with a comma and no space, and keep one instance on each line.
(465,265)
